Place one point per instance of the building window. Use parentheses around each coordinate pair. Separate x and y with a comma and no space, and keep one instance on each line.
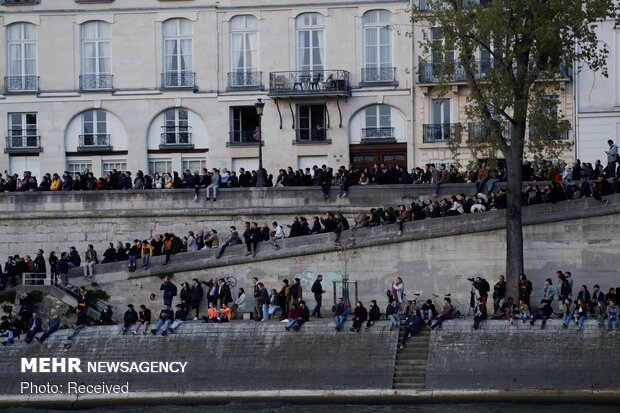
(94,129)
(378,66)
(160,166)
(22,58)
(23,132)
(310,42)
(440,128)
(311,123)
(193,164)
(176,128)
(109,165)
(243,125)
(80,166)
(378,120)
(244,52)
(96,56)
(178,54)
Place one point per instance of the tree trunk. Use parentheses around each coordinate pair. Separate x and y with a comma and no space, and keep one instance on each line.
(514,228)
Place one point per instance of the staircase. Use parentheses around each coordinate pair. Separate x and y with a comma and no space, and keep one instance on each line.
(410,369)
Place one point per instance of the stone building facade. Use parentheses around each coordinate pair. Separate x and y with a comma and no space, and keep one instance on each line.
(169,85)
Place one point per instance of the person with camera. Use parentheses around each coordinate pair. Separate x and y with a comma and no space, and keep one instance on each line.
(483,288)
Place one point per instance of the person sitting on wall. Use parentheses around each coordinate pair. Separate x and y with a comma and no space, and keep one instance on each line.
(130,319)
(105,316)
(373,315)
(339,310)
(211,316)
(543,313)
(428,311)
(480,313)
(52,326)
(34,327)
(359,316)
(180,316)
(391,313)
(414,324)
(446,314)
(224,313)
(144,318)
(165,319)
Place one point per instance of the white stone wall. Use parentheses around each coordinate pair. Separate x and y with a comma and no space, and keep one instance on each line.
(137,104)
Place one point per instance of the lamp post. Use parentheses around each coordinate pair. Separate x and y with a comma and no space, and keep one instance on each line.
(260,175)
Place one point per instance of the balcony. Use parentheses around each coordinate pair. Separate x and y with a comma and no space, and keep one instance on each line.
(437,133)
(178,80)
(452,72)
(21,84)
(95,142)
(379,76)
(561,135)
(311,137)
(18,144)
(476,131)
(176,139)
(245,80)
(305,83)
(243,138)
(378,135)
(95,82)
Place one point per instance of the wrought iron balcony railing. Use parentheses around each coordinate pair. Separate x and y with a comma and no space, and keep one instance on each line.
(245,80)
(477,131)
(177,138)
(561,135)
(94,142)
(424,6)
(178,80)
(23,144)
(379,75)
(322,82)
(440,132)
(453,72)
(243,138)
(304,135)
(21,84)
(377,133)
(96,82)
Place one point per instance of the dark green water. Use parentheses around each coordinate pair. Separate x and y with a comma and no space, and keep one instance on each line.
(350,408)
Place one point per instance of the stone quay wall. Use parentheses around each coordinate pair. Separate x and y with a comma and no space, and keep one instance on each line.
(57,220)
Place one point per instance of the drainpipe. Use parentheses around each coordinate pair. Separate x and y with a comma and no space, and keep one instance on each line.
(412,88)
(576,104)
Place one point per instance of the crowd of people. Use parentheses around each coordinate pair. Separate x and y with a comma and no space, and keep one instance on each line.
(286,304)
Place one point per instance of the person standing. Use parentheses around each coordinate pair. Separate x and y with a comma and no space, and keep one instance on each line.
(499,292)
(318,291)
(170,291)
(256,295)
(196,296)
(225,295)
(525,290)
(612,158)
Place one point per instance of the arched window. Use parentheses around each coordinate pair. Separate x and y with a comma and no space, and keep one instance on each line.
(244,52)
(378,122)
(310,29)
(96,56)
(94,130)
(378,65)
(22,58)
(178,54)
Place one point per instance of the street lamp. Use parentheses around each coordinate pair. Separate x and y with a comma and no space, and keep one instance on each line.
(260,175)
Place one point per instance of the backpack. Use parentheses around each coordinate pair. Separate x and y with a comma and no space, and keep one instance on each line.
(173,290)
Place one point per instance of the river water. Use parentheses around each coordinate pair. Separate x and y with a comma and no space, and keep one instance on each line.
(348,408)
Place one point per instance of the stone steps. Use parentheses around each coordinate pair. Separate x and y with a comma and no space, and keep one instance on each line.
(411,362)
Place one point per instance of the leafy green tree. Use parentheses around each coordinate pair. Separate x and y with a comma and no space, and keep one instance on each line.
(529,46)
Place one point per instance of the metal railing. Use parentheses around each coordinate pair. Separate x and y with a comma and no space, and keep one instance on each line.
(311,135)
(14,84)
(18,142)
(436,72)
(560,135)
(18,2)
(432,133)
(243,137)
(377,133)
(241,80)
(178,79)
(176,137)
(95,140)
(477,131)
(309,82)
(96,82)
(33,278)
(379,75)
